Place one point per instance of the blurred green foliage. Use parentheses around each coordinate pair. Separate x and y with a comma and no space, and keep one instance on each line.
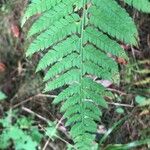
(19,131)
(2,96)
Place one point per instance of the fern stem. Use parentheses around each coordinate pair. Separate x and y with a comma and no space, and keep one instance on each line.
(81,56)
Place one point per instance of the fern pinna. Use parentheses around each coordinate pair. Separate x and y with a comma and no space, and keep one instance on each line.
(78,40)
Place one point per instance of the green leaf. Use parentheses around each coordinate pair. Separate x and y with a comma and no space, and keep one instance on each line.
(51,130)
(142,101)
(2,96)
(141,5)
(24,122)
(120,110)
(36,135)
(20,133)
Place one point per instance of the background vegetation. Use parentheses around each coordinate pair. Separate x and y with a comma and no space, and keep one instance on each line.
(27,113)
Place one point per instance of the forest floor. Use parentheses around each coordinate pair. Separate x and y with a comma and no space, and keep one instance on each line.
(23,87)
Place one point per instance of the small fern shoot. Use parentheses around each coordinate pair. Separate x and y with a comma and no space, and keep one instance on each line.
(76,38)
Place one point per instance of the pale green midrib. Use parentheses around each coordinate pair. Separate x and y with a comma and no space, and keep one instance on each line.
(81,59)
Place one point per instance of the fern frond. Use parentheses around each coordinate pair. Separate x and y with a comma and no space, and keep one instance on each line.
(97,98)
(72,119)
(103,42)
(93,69)
(142,5)
(58,51)
(51,36)
(63,65)
(90,53)
(51,16)
(37,7)
(72,110)
(91,106)
(70,102)
(67,78)
(78,40)
(71,90)
(118,25)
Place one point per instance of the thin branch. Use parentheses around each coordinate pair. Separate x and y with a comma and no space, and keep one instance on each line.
(46,144)
(33,113)
(118,104)
(31,98)
(117,91)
